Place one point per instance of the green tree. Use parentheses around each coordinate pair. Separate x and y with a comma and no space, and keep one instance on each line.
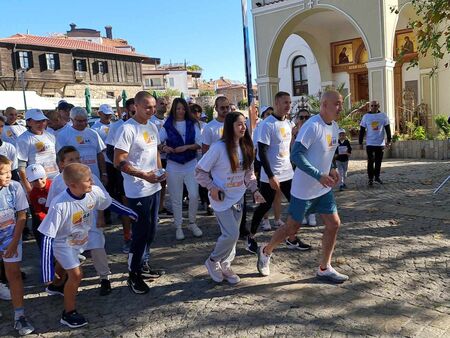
(432,28)
(207,92)
(194,68)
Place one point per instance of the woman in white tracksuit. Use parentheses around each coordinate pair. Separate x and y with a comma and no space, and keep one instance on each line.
(226,170)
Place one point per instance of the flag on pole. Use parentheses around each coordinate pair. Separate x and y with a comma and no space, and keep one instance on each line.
(248,66)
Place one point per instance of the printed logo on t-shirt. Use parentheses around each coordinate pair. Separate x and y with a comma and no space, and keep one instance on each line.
(106,130)
(81,140)
(331,141)
(40,146)
(77,218)
(283,132)
(148,138)
(375,125)
(9,133)
(221,131)
(42,200)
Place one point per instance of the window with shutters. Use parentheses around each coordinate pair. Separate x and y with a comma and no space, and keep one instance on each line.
(25,60)
(80,65)
(50,60)
(299,76)
(102,67)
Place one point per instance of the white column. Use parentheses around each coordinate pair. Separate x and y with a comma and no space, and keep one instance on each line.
(267,88)
(381,86)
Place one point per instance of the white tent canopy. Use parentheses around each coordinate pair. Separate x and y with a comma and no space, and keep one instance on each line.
(15,99)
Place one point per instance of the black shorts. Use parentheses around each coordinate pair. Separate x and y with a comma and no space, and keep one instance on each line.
(115,182)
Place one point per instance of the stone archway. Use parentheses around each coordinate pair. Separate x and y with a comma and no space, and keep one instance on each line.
(274,23)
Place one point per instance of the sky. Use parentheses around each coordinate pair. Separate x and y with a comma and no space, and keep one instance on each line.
(203,32)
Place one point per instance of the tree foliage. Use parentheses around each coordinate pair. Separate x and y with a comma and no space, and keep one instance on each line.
(432,28)
(194,68)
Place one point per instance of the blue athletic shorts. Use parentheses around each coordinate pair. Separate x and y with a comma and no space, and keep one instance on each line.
(299,209)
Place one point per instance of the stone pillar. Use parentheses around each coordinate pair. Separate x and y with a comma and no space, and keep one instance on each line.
(429,90)
(267,88)
(381,86)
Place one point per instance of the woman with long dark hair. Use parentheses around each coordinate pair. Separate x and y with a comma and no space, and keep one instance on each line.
(181,137)
(226,170)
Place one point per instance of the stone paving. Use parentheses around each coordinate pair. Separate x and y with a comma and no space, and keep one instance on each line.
(394,244)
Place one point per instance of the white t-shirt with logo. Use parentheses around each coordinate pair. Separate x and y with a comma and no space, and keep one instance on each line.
(141,142)
(12,200)
(277,135)
(256,134)
(321,140)
(10,133)
(212,132)
(102,130)
(8,150)
(69,220)
(40,149)
(87,142)
(113,129)
(216,162)
(374,124)
(173,166)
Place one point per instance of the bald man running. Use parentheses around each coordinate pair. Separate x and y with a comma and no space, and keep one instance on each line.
(312,184)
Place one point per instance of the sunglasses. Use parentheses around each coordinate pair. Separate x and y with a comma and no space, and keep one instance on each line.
(303,117)
(374,105)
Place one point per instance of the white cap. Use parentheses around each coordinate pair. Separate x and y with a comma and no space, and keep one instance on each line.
(341,130)
(35,114)
(106,109)
(34,172)
(263,109)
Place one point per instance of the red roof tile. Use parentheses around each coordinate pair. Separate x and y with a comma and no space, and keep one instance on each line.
(71,44)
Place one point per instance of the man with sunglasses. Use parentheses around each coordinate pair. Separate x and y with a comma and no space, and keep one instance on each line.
(375,124)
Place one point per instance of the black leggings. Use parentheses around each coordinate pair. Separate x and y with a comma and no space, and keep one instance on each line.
(374,159)
(269,195)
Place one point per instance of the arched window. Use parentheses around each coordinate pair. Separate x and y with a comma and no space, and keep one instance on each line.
(299,76)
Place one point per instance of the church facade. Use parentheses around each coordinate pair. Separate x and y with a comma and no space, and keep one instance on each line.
(304,46)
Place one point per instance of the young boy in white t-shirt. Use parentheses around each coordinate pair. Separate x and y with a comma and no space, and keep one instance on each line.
(70,217)
(13,205)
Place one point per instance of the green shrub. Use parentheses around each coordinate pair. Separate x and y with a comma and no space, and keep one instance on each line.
(443,125)
(209,111)
(419,133)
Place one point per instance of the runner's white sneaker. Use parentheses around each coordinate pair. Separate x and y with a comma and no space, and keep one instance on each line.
(229,274)
(278,223)
(312,220)
(5,294)
(331,275)
(196,231)
(265,225)
(214,270)
(263,262)
(179,234)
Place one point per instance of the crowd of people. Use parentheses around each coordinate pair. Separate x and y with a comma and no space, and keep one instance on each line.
(71,176)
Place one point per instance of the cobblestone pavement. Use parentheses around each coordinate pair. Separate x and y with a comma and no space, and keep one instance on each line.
(394,244)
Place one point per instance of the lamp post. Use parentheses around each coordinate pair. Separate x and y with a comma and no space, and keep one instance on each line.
(21,72)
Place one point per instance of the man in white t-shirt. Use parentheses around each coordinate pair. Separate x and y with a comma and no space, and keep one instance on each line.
(213,130)
(12,129)
(86,141)
(374,124)
(274,142)
(136,155)
(312,184)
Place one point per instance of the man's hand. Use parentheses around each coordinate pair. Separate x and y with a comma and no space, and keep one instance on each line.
(11,250)
(327,181)
(118,99)
(274,183)
(168,150)
(181,149)
(153,178)
(335,175)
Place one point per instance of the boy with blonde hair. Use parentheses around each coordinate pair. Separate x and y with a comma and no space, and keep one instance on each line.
(70,217)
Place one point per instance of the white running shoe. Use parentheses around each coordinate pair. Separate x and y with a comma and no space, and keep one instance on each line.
(214,270)
(265,225)
(312,220)
(179,234)
(305,221)
(196,231)
(263,264)
(278,223)
(5,294)
(331,275)
(229,274)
